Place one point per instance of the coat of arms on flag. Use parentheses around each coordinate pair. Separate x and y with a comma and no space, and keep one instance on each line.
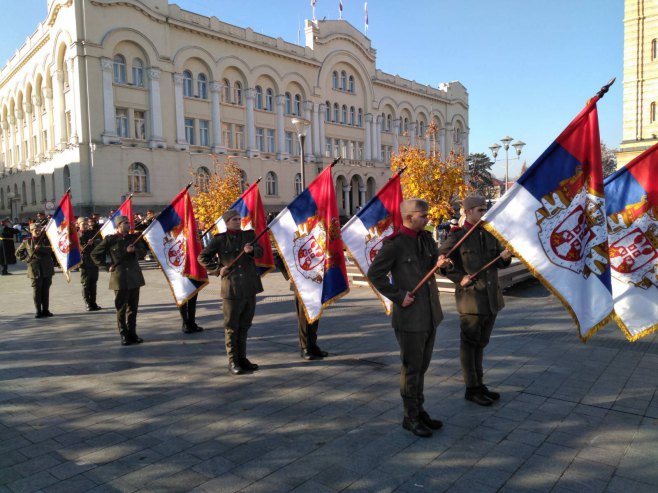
(63,236)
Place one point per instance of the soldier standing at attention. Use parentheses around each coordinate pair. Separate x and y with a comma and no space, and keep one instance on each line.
(125,276)
(478,299)
(240,284)
(7,249)
(36,252)
(408,255)
(88,269)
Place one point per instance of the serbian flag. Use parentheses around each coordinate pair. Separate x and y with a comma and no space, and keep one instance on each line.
(631,201)
(252,215)
(125,209)
(63,236)
(553,219)
(363,233)
(307,235)
(174,240)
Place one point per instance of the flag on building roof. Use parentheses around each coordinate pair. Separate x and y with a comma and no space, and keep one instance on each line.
(631,200)
(252,217)
(307,236)
(125,209)
(364,232)
(174,240)
(553,219)
(365,15)
(63,236)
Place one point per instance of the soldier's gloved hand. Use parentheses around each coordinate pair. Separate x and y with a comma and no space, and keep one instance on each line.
(408,300)
(110,268)
(506,254)
(224,271)
(130,248)
(248,248)
(443,262)
(466,280)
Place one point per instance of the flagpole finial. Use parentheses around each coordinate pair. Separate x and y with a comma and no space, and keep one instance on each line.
(335,162)
(605,88)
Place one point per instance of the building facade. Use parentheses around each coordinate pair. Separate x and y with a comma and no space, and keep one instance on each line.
(640,79)
(112,97)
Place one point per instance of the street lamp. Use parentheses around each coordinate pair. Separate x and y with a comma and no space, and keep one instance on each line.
(301,125)
(518,146)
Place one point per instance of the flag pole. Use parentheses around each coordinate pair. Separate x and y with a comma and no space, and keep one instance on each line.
(473,276)
(91,240)
(605,88)
(252,243)
(450,252)
(213,226)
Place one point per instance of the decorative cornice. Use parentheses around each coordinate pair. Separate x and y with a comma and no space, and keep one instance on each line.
(52,16)
(24,60)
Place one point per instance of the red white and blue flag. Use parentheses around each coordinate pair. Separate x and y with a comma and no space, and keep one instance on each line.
(553,219)
(63,236)
(252,217)
(174,240)
(631,200)
(307,236)
(125,209)
(364,232)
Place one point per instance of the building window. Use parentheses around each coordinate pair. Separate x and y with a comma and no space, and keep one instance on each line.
(67,177)
(202,179)
(187,84)
(269,100)
(226,91)
(238,93)
(351,84)
(24,196)
(298,105)
(288,104)
(204,134)
(227,136)
(239,136)
(259,98)
(271,183)
(334,80)
(138,73)
(202,86)
(652,112)
(119,69)
(327,147)
(654,49)
(343,115)
(343,81)
(359,118)
(260,139)
(189,131)
(33,192)
(44,197)
(352,115)
(122,122)
(336,148)
(140,125)
(289,140)
(336,113)
(270,140)
(52,183)
(298,184)
(421,130)
(138,178)
(388,122)
(327,111)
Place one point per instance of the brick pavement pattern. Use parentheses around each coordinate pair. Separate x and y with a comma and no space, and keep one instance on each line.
(78,412)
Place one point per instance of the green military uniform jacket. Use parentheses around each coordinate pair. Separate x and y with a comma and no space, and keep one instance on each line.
(243,279)
(408,264)
(41,264)
(86,249)
(126,274)
(484,295)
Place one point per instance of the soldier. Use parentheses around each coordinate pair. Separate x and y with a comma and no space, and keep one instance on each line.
(7,248)
(36,252)
(125,276)
(88,269)
(188,314)
(240,284)
(408,255)
(478,299)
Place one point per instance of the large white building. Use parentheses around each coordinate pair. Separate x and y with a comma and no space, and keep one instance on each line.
(110,97)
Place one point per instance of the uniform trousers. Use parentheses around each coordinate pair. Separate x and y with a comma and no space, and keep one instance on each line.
(238,315)
(188,312)
(475,331)
(41,293)
(126,302)
(416,353)
(308,333)
(89,280)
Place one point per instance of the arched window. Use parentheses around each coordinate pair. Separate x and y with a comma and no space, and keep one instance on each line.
(138,73)
(652,112)
(343,115)
(288,104)
(52,184)
(654,49)
(226,91)
(44,196)
(2,198)
(405,127)
(421,130)
(67,177)
(352,115)
(259,98)
(388,122)
(187,84)
(298,184)
(119,69)
(336,113)
(271,183)
(269,100)
(360,118)
(334,80)
(238,93)
(138,178)
(202,86)
(202,178)
(33,192)
(24,196)
(298,105)
(243,180)
(351,84)
(343,80)
(327,111)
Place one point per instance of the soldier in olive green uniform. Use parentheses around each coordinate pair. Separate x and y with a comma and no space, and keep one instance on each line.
(479,299)
(37,253)
(408,255)
(240,284)
(88,269)
(125,276)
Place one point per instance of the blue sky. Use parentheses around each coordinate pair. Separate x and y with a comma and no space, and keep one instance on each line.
(529,65)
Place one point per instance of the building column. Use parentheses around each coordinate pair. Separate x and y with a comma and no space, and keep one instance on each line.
(156,137)
(362,195)
(412,133)
(281,152)
(215,95)
(322,109)
(368,143)
(428,144)
(12,140)
(109,135)
(60,111)
(5,144)
(36,104)
(31,151)
(252,151)
(309,142)
(346,199)
(74,138)
(445,134)
(378,153)
(317,144)
(21,140)
(181,141)
(373,140)
(396,135)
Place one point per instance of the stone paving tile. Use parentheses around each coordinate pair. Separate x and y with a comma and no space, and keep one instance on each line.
(34,482)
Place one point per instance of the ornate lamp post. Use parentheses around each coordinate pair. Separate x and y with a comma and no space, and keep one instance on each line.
(518,146)
(301,125)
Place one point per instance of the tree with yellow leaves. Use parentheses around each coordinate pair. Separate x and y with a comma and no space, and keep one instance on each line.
(432,179)
(214,194)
